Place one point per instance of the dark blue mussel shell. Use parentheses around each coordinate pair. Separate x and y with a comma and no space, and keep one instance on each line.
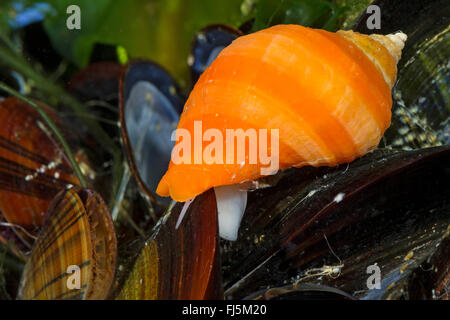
(151,102)
(150,105)
(207,45)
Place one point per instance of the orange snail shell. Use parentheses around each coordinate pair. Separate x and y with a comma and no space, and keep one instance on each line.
(328,94)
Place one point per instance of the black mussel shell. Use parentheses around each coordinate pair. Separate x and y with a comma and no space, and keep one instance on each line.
(407,16)
(300,292)
(207,45)
(326,226)
(247,26)
(38,47)
(98,81)
(421,102)
(432,279)
(104,52)
(97,86)
(150,105)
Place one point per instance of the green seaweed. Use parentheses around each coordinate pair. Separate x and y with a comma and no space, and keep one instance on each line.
(310,13)
(158,30)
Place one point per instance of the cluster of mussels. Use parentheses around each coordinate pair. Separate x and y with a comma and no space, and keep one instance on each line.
(314,233)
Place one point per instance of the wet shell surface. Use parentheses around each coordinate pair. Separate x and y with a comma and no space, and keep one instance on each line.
(180,260)
(421,101)
(33,168)
(150,104)
(326,226)
(328,94)
(75,254)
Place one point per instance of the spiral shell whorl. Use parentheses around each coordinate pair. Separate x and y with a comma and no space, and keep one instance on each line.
(383,50)
(394,42)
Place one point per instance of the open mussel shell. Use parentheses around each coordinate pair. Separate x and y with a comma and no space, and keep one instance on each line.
(326,226)
(75,254)
(301,292)
(179,262)
(33,167)
(150,105)
(421,101)
(207,45)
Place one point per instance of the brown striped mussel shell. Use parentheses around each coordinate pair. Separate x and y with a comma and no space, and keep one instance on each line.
(33,168)
(75,254)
